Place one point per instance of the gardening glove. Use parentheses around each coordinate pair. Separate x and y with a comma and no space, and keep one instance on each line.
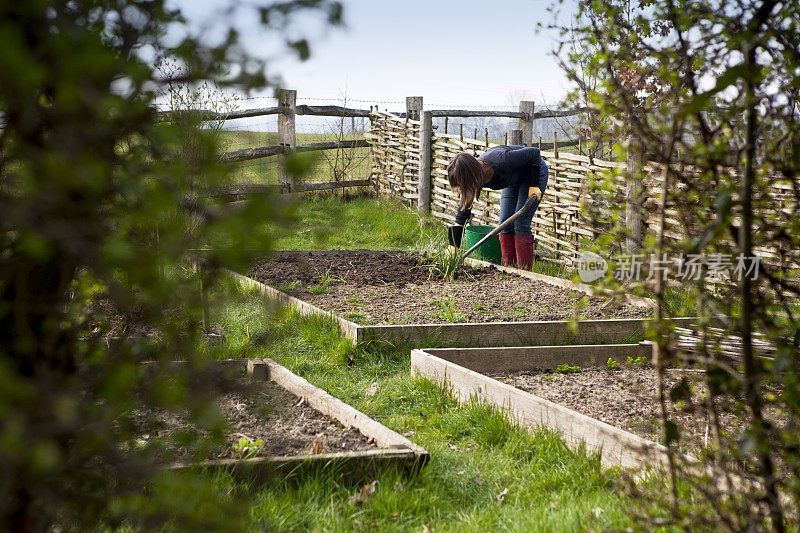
(452,251)
(535,191)
(454,234)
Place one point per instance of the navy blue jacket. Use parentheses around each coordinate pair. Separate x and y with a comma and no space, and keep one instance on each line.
(514,166)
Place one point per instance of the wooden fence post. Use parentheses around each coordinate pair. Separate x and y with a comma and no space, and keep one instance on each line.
(633,193)
(514,137)
(413,107)
(287,102)
(526,124)
(425,156)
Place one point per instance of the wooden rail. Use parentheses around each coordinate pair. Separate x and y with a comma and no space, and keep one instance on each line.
(465,113)
(261,188)
(260,152)
(331,111)
(347,112)
(560,113)
(313,110)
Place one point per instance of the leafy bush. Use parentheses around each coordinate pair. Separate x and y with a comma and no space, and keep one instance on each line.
(100,194)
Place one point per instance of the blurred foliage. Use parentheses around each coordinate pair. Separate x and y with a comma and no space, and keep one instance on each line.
(710,90)
(100,206)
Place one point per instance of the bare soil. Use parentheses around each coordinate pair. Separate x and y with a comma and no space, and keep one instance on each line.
(392,287)
(626,399)
(105,317)
(259,410)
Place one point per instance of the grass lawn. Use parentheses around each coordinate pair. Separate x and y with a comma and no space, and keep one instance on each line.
(349,163)
(476,453)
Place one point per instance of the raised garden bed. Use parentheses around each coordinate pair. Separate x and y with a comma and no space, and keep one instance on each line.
(453,368)
(624,398)
(379,287)
(573,390)
(286,272)
(290,427)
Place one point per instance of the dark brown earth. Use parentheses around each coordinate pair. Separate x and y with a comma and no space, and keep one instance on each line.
(260,411)
(105,317)
(626,398)
(392,287)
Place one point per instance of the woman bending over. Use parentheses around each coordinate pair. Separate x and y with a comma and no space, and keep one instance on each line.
(518,172)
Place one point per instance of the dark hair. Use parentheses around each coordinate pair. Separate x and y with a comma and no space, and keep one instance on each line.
(464,172)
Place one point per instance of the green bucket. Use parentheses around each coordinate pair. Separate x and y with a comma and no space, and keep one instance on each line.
(488,251)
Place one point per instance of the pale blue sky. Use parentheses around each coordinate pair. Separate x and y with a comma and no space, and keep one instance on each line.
(454,53)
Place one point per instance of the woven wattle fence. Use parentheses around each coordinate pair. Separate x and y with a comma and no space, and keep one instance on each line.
(572,213)
(395,155)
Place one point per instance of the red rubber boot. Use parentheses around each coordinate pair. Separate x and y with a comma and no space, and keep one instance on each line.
(507,249)
(524,247)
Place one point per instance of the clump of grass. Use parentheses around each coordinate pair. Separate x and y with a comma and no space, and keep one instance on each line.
(325,280)
(288,287)
(566,369)
(446,262)
(612,365)
(448,310)
(355,315)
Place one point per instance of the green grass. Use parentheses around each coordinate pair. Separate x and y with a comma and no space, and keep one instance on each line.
(326,222)
(265,171)
(475,451)
(549,268)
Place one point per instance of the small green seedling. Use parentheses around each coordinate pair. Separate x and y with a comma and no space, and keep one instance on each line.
(245,448)
(448,310)
(639,361)
(566,369)
(612,365)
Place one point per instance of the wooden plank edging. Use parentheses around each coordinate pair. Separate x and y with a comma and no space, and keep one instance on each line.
(520,359)
(339,410)
(533,333)
(616,447)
